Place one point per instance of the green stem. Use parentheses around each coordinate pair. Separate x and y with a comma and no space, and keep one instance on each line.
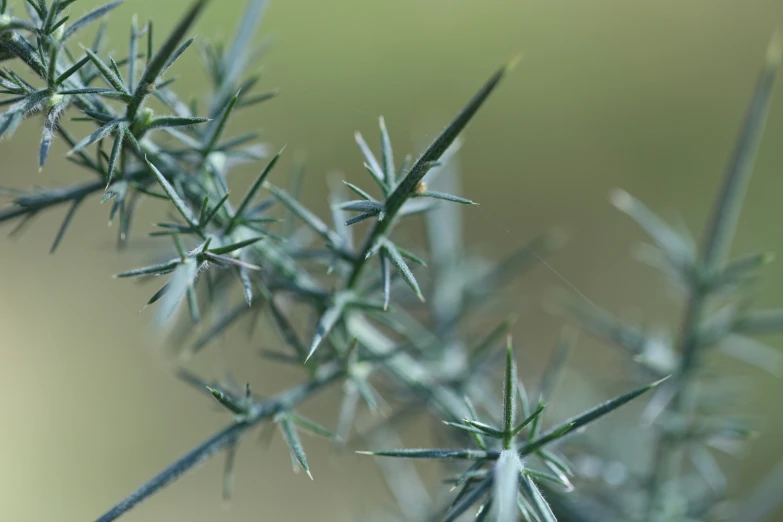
(407,186)
(669,449)
(228,435)
(718,239)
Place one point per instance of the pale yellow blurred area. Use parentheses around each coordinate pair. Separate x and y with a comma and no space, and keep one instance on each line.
(648,96)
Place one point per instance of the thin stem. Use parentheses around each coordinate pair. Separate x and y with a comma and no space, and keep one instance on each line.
(726,212)
(402,192)
(158,61)
(718,238)
(223,438)
(35,202)
(188,461)
(669,451)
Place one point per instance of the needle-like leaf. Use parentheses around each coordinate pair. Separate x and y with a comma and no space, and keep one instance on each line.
(48,132)
(556,366)
(533,416)
(235,246)
(437,454)
(174,196)
(509,394)
(238,405)
(159,60)
(208,217)
(362,206)
(473,492)
(446,197)
(218,125)
(159,269)
(387,156)
(386,279)
(585,418)
(221,324)
(359,218)
(423,164)
(181,49)
(538,503)
(313,221)
(359,191)
(168,122)
(677,249)
(408,185)
(88,18)
(237,55)
(721,227)
(312,427)
(251,193)
(328,320)
(399,263)
(228,471)
(108,74)
(71,70)
(372,164)
(115,153)
(95,136)
(294,443)
(64,227)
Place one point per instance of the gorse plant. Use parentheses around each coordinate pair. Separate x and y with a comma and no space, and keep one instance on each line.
(510,460)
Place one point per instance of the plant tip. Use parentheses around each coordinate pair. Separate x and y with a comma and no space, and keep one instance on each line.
(658,382)
(775,49)
(513,62)
(621,200)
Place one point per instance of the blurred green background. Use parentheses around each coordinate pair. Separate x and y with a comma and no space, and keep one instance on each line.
(647,96)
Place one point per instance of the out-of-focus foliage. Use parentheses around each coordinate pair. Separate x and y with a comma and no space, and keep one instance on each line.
(366,330)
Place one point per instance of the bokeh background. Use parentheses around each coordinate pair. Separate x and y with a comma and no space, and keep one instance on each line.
(647,96)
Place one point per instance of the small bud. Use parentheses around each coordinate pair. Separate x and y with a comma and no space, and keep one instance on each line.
(233,404)
(5,22)
(622,200)
(54,99)
(59,32)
